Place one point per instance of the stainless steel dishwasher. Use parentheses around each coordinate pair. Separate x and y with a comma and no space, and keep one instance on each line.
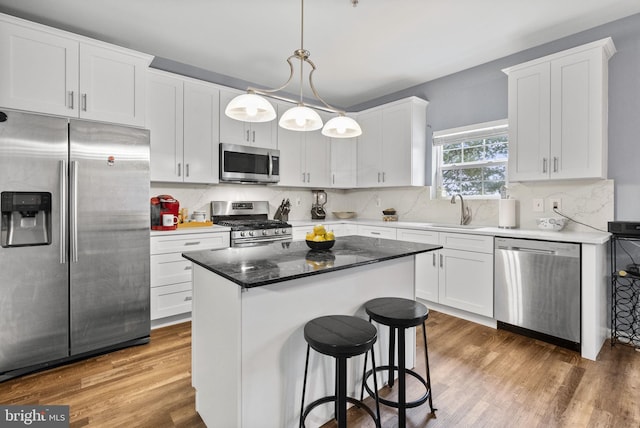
(537,289)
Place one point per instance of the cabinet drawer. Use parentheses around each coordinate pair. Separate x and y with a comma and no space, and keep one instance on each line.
(170,300)
(419,236)
(377,232)
(193,242)
(466,242)
(169,268)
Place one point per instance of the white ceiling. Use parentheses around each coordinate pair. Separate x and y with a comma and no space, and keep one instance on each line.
(363,52)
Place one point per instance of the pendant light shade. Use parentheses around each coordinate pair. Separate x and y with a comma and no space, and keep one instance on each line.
(300,118)
(250,108)
(341,127)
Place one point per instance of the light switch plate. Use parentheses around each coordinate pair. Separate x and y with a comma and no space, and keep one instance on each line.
(538,205)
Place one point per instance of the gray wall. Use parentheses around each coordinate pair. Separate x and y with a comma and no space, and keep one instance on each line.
(479,94)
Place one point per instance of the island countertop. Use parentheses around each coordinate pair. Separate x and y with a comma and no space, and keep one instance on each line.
(282,261)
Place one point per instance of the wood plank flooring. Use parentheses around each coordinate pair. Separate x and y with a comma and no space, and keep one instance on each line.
(481,378)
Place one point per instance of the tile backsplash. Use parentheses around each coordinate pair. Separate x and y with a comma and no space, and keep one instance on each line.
(587,201)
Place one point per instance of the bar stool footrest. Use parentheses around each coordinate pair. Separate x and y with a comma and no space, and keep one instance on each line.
(332,399)
(410,404)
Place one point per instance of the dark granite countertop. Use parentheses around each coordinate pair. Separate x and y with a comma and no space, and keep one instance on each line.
(282,261)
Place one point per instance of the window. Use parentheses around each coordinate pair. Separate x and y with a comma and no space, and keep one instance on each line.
(471,160)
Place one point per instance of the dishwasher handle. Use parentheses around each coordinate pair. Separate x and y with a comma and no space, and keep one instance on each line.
(542,248)
(528,250)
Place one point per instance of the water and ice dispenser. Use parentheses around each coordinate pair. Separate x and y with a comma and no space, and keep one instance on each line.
(26,219)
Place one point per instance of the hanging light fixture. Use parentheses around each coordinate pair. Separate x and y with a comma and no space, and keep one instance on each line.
(251,107)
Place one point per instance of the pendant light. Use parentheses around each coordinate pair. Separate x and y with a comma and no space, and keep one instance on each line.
(251,107)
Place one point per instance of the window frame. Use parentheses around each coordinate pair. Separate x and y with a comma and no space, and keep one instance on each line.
(494,129)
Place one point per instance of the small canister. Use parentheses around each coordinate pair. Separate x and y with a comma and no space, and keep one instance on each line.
(199,216)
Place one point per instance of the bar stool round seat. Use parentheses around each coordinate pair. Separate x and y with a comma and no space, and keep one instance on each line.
(400,314)
(341,337)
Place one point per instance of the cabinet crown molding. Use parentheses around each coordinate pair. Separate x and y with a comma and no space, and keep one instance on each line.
(605,44)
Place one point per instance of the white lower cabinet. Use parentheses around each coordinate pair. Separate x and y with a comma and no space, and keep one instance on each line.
(377,231)
(171,273)
(466,272)
(466,281)
(460,275)
(427,271)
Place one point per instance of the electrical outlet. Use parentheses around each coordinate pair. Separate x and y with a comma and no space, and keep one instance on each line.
(298,202)
(538,205)
(555,203)
(378,202)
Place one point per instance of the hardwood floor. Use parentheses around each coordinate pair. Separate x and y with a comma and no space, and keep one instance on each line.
(481,378)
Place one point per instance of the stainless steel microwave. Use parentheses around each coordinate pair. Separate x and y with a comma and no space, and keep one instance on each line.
(246,164)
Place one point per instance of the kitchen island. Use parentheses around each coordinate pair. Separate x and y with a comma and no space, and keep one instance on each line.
(250,306)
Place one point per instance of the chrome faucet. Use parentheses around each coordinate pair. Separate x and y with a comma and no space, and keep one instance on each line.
(465,212)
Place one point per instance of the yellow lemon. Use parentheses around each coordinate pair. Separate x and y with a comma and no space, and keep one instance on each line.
(319,229)
(319,238)
(310,236)
(329,236)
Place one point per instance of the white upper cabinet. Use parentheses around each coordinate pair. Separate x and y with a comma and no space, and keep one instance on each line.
(304,156)
(258,134)
(51,71)
(558,115)
(392,148)
(344,162)
(183,120)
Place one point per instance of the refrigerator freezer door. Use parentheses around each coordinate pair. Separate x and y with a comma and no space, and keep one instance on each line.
(109,234)
(34,279)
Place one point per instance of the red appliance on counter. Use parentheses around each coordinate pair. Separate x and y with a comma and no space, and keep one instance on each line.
(163,209)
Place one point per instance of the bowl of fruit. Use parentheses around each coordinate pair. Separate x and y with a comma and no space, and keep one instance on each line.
(320,239)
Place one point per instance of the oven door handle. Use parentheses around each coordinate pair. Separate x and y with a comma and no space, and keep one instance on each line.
(270,164)
(259,241)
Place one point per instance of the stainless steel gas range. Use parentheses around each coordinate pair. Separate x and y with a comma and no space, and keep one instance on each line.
(249,222)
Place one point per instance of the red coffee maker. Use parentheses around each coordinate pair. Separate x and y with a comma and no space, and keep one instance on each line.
(164,212)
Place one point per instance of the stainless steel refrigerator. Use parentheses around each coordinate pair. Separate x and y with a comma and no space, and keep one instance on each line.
(74,240)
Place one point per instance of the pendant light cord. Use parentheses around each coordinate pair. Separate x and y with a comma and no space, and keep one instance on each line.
(301,47)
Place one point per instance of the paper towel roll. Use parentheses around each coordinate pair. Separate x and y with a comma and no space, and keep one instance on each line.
(507,213)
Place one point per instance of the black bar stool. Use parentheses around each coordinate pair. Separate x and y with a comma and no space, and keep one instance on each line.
(341,337)
(399,314)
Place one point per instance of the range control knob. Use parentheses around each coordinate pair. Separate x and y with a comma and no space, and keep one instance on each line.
(242,234)
(264,233)
(277,232)
(252,233)
(284,231)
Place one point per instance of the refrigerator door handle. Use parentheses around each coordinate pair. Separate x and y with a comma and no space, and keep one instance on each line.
(63,212)
(74,211)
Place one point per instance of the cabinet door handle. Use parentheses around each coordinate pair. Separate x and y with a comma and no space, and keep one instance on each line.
(186,169)
(434,259)
(192,243)
(188,298)
(179,169)
(555,164)
(308,177)
(375,233)
(303,176)
(188,267)
(544,164)
(383,176)
(441,261)
(253,137)
(71,100)
(247,135)
(378,177)
(333,179)
(84,102)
